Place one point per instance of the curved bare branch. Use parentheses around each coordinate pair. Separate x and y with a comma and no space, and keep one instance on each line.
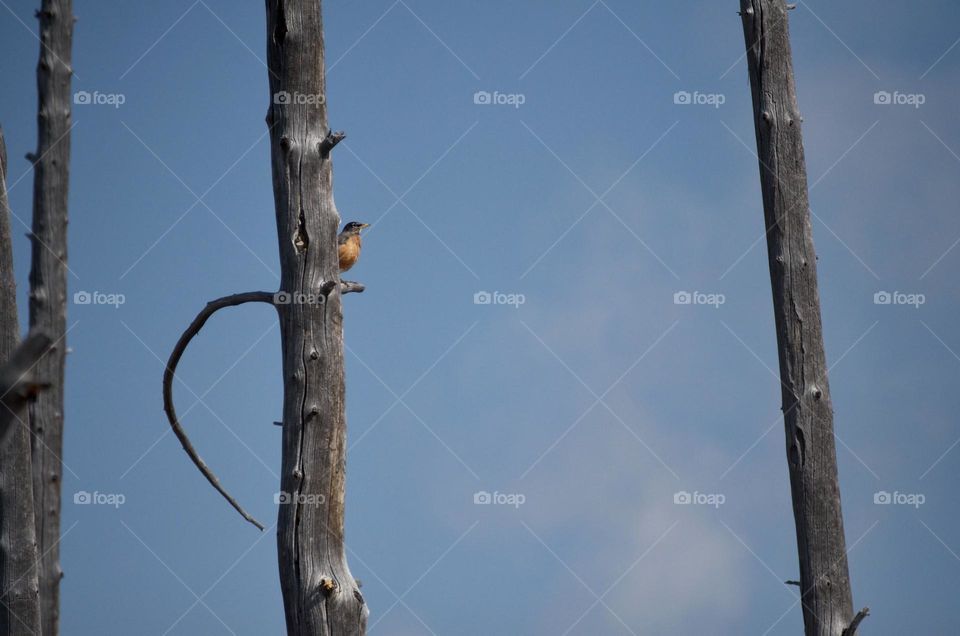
(212,307)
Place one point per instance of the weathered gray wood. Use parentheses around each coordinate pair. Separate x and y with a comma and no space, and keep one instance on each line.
(19,592)
(808,414)
(48,289)
(320,595)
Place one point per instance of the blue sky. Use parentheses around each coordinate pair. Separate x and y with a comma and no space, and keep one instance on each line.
(594,401)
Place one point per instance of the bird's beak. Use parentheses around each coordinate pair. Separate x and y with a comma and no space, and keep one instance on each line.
(364,226)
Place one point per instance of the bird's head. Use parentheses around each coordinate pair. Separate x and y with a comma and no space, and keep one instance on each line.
(353,227)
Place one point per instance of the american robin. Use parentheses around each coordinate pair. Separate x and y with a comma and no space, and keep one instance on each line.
(348,244)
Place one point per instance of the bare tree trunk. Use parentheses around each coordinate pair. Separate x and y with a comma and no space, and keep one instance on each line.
(19,594)
(808,414)
(320,595)
(48,289)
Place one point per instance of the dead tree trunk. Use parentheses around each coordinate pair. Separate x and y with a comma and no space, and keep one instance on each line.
(320,595)
(48,289)
(19,594)
(826,596)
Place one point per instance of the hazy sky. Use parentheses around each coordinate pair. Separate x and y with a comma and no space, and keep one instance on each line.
(583,395)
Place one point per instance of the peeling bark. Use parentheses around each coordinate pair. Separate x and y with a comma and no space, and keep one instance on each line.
(48,289)
(808,413)
(320,595)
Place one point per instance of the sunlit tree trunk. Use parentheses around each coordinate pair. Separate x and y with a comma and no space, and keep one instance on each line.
(19,593)
(826,597)
(48,290)
(320,595)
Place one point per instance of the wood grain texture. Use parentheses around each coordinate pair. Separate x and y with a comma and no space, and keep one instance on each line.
(808,414)
(320,595)
(19,590)
(48,289)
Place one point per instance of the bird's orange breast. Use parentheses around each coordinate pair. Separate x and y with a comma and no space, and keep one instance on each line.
(349,252)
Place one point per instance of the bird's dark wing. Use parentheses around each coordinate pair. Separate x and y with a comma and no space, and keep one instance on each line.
(342,238)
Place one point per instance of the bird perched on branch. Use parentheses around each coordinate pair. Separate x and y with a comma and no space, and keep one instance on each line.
(348,244)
